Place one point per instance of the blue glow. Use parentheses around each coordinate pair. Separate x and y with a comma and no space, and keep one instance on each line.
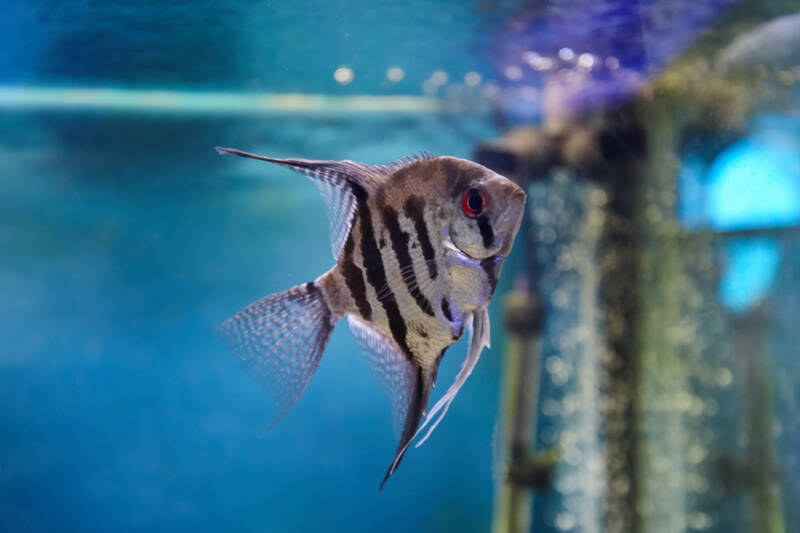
(755,183)
(751,268)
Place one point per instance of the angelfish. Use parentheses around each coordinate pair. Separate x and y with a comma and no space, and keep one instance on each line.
(418,246)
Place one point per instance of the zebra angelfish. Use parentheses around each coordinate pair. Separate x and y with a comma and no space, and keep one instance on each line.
(418,246)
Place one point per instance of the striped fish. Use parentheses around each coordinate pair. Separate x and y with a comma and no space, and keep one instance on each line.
(418,246)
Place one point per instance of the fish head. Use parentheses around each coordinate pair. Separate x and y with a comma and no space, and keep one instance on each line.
(484,212)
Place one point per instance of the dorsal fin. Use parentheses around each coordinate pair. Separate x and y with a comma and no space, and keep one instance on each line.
(334,180)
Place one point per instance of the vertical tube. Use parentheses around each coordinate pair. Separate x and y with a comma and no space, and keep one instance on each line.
(751,333)
(623,143)
(520,391)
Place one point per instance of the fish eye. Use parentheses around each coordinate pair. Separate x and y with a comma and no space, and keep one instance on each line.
(473,203)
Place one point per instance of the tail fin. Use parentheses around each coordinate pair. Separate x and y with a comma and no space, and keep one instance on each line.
(280,339)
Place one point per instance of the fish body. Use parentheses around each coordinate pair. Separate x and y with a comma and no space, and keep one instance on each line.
(419,246)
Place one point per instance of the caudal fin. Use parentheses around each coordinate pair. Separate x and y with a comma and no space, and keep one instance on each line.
(280,339)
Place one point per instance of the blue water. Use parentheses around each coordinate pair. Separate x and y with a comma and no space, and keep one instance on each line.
(262,45)
(125,241)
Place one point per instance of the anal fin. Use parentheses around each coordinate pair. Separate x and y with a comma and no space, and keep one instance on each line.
(414,413)
(403,380)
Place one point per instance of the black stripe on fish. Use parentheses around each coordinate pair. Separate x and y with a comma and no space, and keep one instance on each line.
(446,309)
(436,365)
(486,232)
(414,210)
(400,241)
(465,175)
(376,273)
(489,266)
(311,289)
(401,174)
(354,278)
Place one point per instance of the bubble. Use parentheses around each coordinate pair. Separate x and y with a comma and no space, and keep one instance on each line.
(586,61)
(530,56)
(598,197)
(653,213)
(472,79)
(492,90)
(439,77)
(554,364)
(612,63)
(547,235)
(571,403)
(786,77)
(542,216)
(549,435)
(565,521)
(620,486)
(343,75)
(566,54)
(573,456)
(597,218)
(566,484)
(513,72)
(541,63)
(551,407)
(559,373)
(724,377)
(565,259)
(696,406)
(395,74)
(682,400)
(695,454)
(698,520)
(560,299)
(697,483)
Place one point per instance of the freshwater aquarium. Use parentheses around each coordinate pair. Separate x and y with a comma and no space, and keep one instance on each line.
(643,373)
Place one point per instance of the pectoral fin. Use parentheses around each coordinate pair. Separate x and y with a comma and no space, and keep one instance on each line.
(479,337)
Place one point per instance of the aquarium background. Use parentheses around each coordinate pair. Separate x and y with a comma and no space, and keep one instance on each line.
(125,239)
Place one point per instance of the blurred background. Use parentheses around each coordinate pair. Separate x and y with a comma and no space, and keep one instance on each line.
(644,374)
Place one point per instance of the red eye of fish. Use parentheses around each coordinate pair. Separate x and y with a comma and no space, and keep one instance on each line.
(473,203)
